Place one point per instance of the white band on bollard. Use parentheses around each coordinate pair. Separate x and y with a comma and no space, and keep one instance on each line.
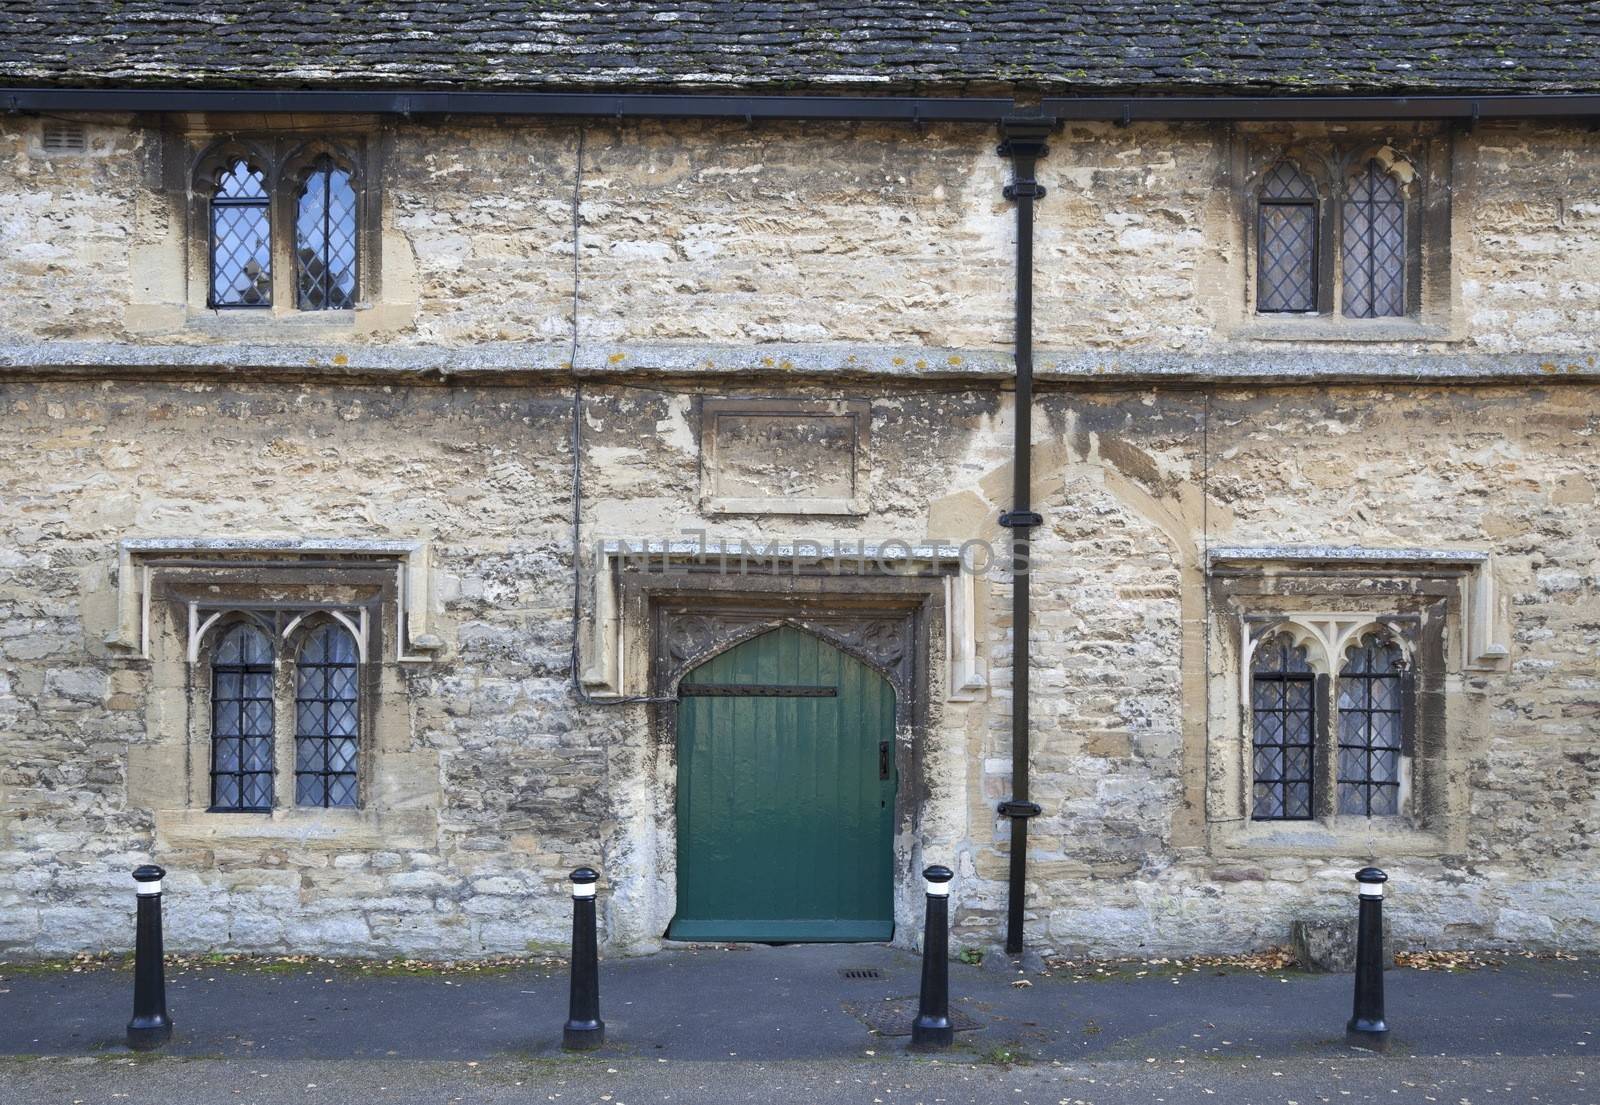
(939,889)
(1372,890)
(148,889)
(583,889)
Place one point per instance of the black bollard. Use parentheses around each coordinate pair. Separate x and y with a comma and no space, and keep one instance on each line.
(150,1027)
(584,1030)
(1367,1027)
(931,1030)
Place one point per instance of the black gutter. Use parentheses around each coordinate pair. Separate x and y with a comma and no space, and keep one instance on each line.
(909,109)
(1022,140)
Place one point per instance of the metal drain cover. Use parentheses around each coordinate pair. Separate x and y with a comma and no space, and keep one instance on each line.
(894,1017)
(860,972)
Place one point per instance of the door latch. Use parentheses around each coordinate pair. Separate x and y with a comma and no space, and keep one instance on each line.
(883,759)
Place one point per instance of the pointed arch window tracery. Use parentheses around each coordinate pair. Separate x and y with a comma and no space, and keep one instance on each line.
(1286,242)
(327,718)
(242,718)
(1374,244)
(241,237)
(302,665)
(325,234)
(1326,746)
(1283,731)
(1371,724)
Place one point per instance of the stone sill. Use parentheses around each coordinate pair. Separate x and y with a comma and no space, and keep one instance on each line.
(316,829)
(1325,840)
(1324,328)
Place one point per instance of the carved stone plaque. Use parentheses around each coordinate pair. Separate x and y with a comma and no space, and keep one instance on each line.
(784,457)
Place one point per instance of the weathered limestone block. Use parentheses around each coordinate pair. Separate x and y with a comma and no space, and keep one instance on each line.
(1330,945)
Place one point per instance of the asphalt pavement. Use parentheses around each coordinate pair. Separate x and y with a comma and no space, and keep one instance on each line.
(813,1023)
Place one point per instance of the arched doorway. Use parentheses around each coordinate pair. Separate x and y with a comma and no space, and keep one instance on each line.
(786,783)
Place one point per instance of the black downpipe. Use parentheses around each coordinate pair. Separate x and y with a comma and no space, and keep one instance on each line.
(1022,140)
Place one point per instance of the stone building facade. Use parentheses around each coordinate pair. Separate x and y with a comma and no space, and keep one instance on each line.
(704,379)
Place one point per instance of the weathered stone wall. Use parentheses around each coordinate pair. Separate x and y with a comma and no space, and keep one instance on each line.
(517,796)
(1126,855)
(727,235)
(744,245)
(527,784)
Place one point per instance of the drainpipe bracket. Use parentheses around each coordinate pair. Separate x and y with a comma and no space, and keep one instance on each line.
(1021,519)
(1013,808)
(1023,189)
(1024,136)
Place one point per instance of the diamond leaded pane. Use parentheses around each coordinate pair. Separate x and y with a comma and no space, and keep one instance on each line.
(1287,258)
(1285,182)
(1268,804)
(1283,721)
(327,719)
(341,790)
(1286,242)
(325,239)
(241,239)
(241,721)
(1370,722)
(1374,245)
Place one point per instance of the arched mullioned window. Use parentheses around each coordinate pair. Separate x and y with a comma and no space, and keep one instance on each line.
(241,238)
(241,721)
(1374,242)
(1283,721)
(327,719)
(1371,724)
(325,238)
(1286,242)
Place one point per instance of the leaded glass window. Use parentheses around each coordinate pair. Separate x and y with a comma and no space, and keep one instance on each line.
(325,239)
(326,725)
(1286,242)
(1374,245)
(1283,718)
(1370,721)
(241,721)
(241,238)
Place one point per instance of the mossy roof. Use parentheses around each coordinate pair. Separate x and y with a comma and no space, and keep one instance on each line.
(1185,46)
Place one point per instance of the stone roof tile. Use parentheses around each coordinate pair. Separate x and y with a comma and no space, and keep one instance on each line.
(1096,46)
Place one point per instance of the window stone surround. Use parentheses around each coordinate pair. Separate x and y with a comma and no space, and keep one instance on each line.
(1434,602)
(1421,156)
(173,596)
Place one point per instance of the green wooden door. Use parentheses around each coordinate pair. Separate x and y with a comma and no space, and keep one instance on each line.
(785,797)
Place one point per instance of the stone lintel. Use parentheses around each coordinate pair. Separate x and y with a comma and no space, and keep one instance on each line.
(1485,615)
(140,558)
